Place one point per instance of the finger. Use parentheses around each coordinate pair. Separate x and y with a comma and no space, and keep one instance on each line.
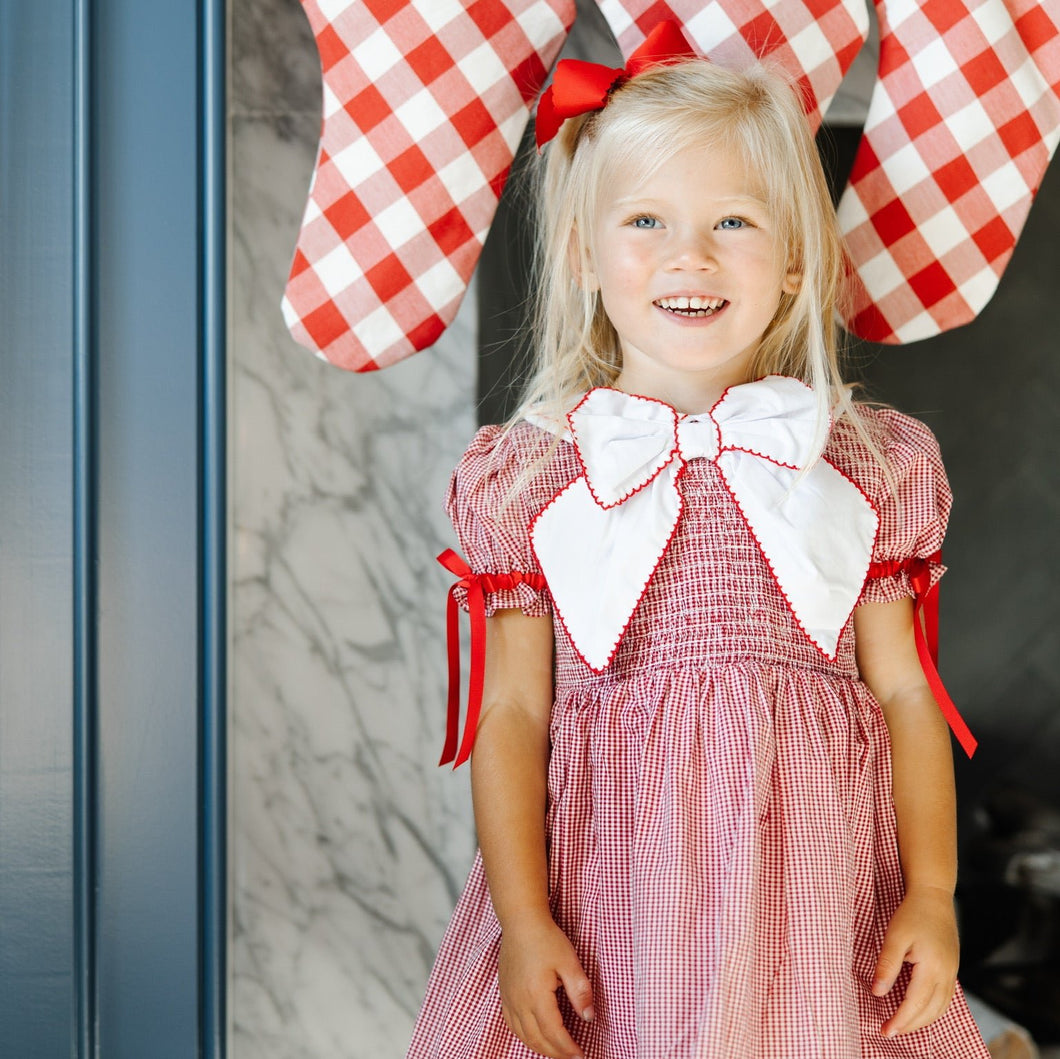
(551,1035)
(579,991)
(915,1009)
(524,1024)
(889,965)
(916,1020)
(918,993)
(936,1007)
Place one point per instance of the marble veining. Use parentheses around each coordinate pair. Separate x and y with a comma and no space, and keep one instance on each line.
(348,845)
(273,61)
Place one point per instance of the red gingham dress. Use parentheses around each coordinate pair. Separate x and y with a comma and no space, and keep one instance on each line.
(722,847)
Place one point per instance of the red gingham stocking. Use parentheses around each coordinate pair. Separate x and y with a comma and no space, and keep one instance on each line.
(963,120)
(814,40)
(425,101)
(424,104)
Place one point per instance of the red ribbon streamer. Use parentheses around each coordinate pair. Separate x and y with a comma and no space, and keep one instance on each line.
(477,586)
(926,636)
(579,87)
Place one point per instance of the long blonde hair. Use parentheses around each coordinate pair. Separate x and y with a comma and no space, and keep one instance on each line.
(753,112)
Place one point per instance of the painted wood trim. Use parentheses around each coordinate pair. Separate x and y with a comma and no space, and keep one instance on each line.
(213,533)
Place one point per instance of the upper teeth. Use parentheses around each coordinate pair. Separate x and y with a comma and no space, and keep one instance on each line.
(691,303)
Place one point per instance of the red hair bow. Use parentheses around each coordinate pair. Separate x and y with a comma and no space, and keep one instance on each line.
(580,87)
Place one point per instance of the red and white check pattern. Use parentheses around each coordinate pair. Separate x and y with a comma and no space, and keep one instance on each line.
(424,105)
(815,41)
(722,848)
(425,101)
(964,118)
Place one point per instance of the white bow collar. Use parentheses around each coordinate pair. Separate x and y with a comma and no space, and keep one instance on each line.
(599,541)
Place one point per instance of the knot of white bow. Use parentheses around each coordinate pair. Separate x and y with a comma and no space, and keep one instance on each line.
(601,538)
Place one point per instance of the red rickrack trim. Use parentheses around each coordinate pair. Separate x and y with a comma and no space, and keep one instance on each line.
(558,605)
(675,448)
(926,599)
(477,586)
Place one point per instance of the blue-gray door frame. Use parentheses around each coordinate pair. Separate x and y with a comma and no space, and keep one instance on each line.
(112,529)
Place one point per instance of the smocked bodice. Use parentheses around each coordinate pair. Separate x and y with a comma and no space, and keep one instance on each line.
(712,600)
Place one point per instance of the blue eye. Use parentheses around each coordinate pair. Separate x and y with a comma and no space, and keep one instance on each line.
(646,222)
(731,224)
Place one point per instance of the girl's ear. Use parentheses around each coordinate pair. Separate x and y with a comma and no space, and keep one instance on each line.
(581,263)
(792,282)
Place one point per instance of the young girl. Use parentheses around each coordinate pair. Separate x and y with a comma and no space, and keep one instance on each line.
(712,786)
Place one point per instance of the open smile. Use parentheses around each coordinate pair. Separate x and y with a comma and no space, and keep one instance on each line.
(692,307)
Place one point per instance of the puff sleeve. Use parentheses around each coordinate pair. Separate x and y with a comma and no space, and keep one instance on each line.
(913,501)
(491,506)
(493,497)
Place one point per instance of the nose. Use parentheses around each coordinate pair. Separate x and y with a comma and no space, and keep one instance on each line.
(693,249)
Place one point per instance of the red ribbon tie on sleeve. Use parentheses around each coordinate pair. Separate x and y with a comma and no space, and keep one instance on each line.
(926,636)
(477,585)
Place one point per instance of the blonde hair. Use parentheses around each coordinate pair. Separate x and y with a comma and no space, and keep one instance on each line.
(754,113)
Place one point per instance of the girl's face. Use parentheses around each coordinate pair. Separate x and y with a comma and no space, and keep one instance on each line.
(690,271)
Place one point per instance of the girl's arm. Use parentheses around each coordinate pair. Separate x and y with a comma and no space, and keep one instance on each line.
(923,930)
(508,783)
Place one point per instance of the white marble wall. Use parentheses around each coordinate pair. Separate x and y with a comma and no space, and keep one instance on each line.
(348,844)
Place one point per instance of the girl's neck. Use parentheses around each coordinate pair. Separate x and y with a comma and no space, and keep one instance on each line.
(690,397)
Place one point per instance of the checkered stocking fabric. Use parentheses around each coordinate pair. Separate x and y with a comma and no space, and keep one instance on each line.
(815,41)
(424,105)
(962,123)
(425,102)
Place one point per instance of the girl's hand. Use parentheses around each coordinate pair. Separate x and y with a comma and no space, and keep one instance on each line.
(536,959)
(923,932)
